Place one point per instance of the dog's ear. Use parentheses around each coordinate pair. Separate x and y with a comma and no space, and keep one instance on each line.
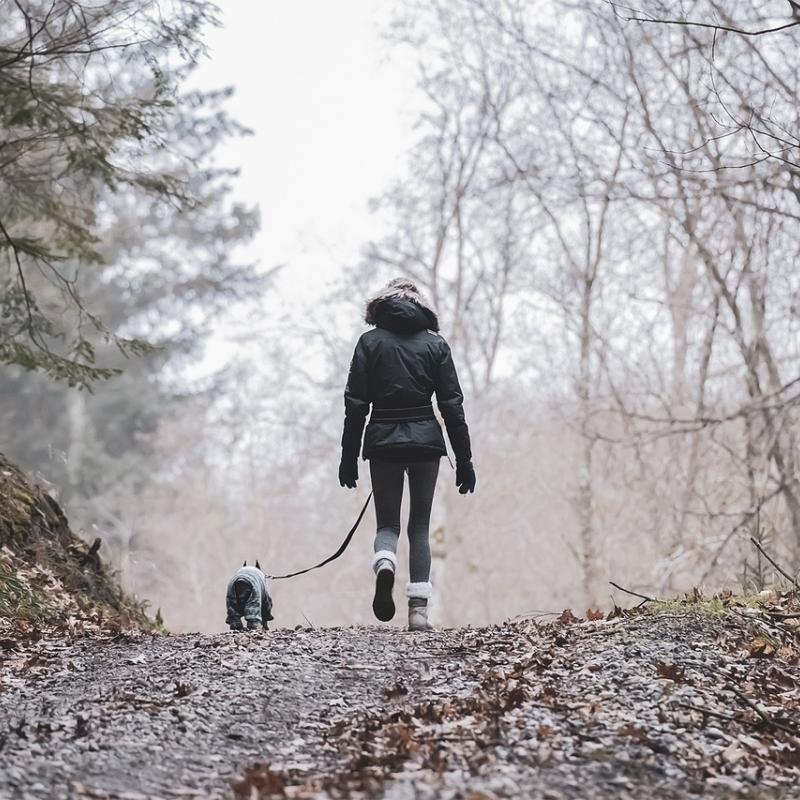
(258,566)
(245,563)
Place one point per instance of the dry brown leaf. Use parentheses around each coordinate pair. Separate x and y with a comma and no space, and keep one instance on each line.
(672,672)
(567,617)
(761,648)
(260,781)
(615,612)
(544,732)
(632,731)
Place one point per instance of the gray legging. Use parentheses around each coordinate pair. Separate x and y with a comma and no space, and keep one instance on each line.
(387,487)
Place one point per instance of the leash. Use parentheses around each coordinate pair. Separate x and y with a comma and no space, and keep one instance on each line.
(342,548)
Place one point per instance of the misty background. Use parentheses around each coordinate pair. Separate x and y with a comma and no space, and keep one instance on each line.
(603,206)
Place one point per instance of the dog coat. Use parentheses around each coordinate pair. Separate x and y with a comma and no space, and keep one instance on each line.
(248,596)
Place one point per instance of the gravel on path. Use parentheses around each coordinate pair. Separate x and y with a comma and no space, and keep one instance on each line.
(670,706)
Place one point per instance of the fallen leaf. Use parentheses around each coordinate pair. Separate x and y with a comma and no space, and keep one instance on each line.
(672,672)
(567,617)
(260,781)
(632,731)
(733,753)
(761,648)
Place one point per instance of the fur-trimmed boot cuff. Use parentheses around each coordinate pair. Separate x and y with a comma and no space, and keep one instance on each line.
(420,591)
(384,559)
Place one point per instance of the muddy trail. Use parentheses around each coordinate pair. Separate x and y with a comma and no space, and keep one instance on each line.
(672,705)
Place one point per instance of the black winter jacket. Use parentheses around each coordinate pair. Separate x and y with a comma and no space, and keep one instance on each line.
(401,363)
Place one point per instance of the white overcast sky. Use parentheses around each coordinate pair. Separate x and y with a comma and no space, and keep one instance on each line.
(329,107)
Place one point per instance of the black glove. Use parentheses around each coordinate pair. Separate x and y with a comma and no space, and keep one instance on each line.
(348,472)
(465,477)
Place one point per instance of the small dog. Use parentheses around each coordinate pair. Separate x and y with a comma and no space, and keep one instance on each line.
(248,596)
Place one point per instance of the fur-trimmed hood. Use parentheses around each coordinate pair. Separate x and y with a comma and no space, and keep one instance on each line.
(401,307)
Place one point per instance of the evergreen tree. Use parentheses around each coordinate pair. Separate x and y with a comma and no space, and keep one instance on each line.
(89,92)
(134,259)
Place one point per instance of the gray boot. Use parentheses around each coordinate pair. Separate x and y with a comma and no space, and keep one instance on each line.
(418,595)
(418,615)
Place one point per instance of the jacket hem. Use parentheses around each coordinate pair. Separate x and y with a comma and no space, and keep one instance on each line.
(408,453)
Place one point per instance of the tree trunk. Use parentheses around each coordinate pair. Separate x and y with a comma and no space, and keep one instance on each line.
(77,427)
(585,501)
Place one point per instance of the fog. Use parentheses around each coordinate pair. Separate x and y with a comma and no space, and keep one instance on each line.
(601,202)
(330,106)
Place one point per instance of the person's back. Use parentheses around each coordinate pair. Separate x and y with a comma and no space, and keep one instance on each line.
(402,366)
(396,368)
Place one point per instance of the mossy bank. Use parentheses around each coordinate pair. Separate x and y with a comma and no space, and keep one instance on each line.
(49,577)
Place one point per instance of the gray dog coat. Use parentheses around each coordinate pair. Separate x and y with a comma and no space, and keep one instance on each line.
(248,596)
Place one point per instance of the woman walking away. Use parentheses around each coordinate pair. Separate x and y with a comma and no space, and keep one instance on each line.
(396,368)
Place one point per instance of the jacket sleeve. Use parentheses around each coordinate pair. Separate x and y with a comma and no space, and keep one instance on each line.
(450,400)
(356,403)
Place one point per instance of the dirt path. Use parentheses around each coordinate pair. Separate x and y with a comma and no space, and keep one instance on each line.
(617,709)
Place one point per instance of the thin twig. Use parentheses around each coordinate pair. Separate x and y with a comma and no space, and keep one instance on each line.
(644,597)
(763,714)
(710,713)
(21,276)
(780,569)
(310,623)
(695,24)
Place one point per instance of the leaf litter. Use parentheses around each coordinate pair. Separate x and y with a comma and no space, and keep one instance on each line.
(677,703)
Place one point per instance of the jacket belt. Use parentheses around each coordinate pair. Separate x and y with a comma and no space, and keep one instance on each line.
(402,414)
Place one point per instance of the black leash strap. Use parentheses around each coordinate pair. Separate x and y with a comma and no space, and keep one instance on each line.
(342,548)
